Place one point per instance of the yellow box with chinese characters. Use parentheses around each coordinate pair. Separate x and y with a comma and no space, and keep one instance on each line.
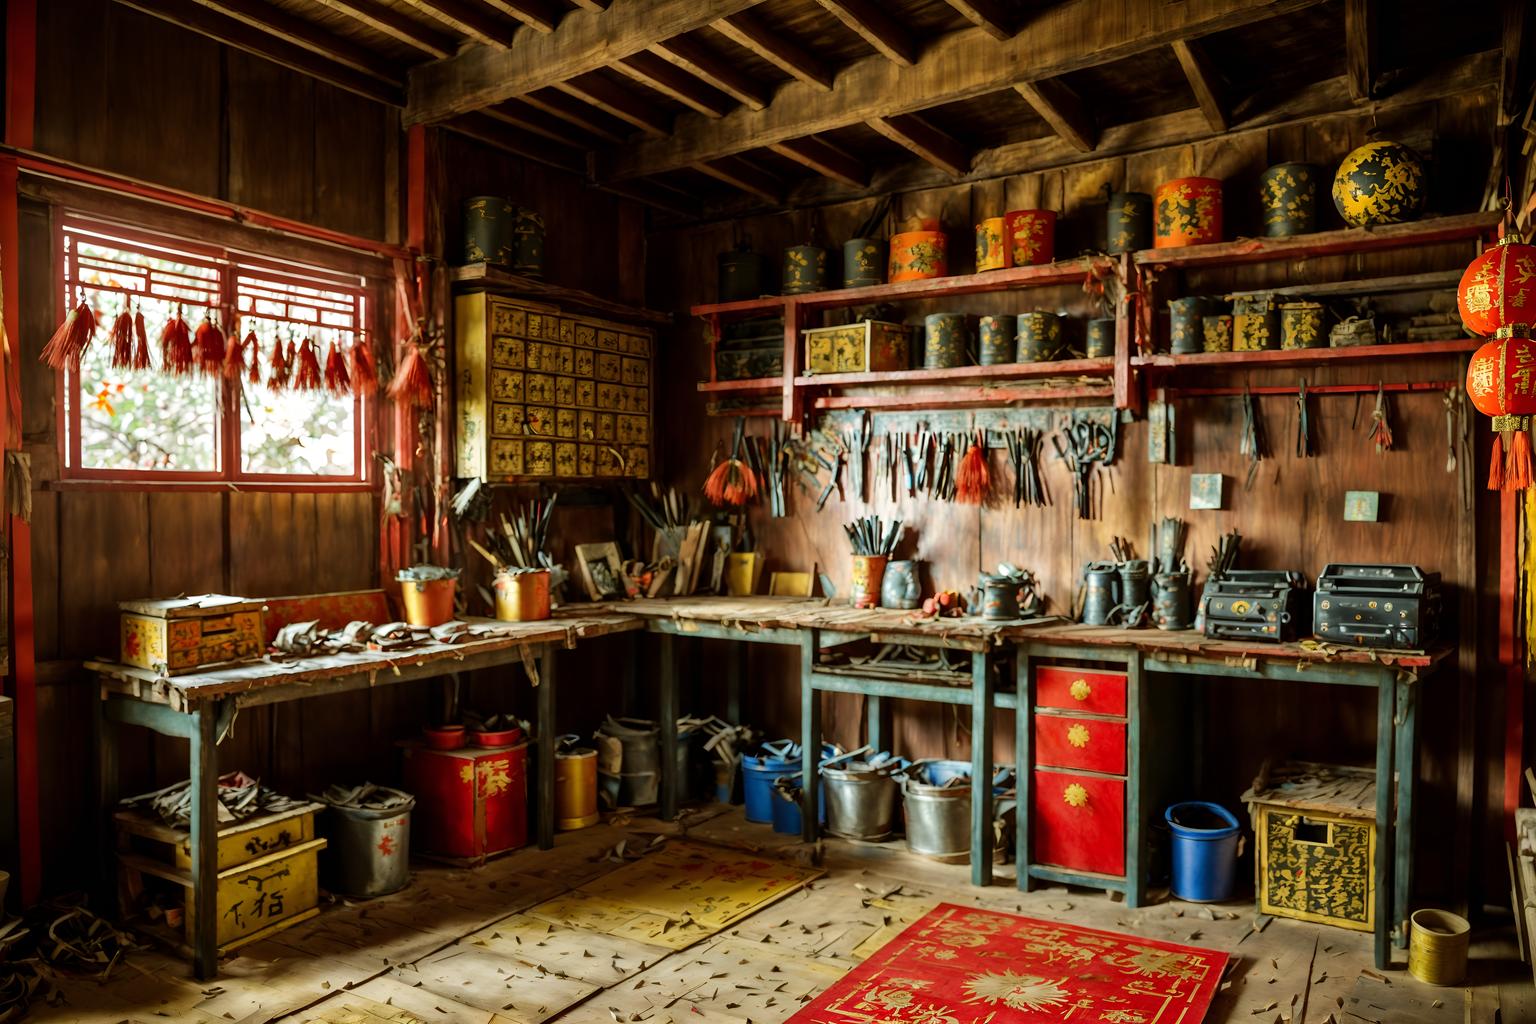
(178,635)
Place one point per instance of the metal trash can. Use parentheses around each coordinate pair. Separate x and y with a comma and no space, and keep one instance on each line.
(369,833)
(628,761)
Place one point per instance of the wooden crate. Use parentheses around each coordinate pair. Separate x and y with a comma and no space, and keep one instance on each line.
(869,346)
(186,634)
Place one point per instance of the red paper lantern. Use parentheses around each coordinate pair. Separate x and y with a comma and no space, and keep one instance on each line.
(1501,381)
(1499,288)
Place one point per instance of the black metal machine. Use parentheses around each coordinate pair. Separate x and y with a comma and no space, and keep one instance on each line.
(1390,606)
(1256,604)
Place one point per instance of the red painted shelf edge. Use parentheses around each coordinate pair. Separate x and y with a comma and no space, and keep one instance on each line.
(965,374)
(1321,243)
(751,384)
(1310,356)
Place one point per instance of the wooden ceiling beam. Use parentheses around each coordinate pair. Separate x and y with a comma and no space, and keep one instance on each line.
(539,15)
(988,15)
(1204,81)
(928,142)
(290,28)
(1510,99)
(387,20)
(825,159)
(1360,47)
(592,5)
(498,133)
(878,29)
(531,119)
(746,31)
(584,41)
(481,24)
(714,68)
(576,112)
(612,98)
(670,80)
(231,32)
(962,65)
(1063,109)
(739,173)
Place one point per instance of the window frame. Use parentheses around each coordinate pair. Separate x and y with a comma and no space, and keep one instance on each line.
(231,264)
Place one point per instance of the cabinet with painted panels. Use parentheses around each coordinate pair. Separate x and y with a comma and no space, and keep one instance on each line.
(543,394)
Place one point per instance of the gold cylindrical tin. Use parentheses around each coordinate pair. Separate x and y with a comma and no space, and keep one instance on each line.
(1301,325)
(1216,332)
(991,252)
(1039,337)
(575,788)
(1437,947)
(1255,322)
(522,595)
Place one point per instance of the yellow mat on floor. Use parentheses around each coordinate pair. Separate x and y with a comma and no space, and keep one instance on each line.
(676,896)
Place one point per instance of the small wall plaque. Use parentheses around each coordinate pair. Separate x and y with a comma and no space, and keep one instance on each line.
(1362,506)
(1205,490)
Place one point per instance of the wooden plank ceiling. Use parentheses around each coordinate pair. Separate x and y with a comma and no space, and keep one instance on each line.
(695,106)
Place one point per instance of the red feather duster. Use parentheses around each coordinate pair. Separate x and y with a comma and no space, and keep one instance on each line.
(336,380)
(72,338)
(365,375)
(306,377)
(281,370)
(413,379)
(176,347)
(209,343)
(973,478)
(122,340)
(140,342)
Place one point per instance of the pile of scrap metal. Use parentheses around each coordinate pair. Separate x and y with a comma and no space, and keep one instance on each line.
(52,937)
(239,797)
(308,639)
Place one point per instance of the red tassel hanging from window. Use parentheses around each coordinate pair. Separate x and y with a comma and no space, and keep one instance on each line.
(337,382)
(281,370)
(365,374)
(413,380)
(253,357)
(176,354)
(140,341)
(122,340)
(306,376)
(235,355)
(973,478)
(209,343)
(72,338)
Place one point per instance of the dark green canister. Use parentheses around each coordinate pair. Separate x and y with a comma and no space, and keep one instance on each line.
(863,262)
(1185,333)
(743,274)
(1100,343)
(1288,193)
(528,243)
(944,341)
(1128,225)
(995,339)
(805,269)
(488,230)
(1039,337)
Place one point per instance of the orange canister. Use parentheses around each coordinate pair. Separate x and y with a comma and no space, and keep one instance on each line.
(428,594)
(522,595)
(1188,212)
(921,251)
(991,250)
(868,574)
(1030,236)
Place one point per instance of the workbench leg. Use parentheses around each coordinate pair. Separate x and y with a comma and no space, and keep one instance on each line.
(1385,706)
(810,736)
(631,693)
(877,723)
(668,724)
(1407,775)
(735,679)
(549,737)
(982,810)
(1024,763)
(202,748)
(105,740)
(1136,787)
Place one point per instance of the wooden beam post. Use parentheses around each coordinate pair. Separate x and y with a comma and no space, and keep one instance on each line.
(583,115)
(1510,96)
(504,135)
(928,142)
(825,159)
(875,27)
(382,18)
(1063,110)
(1204,81)
(539,122)
(789,56)
(1360,47)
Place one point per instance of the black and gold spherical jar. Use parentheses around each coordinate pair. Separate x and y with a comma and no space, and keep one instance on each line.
(1380,183)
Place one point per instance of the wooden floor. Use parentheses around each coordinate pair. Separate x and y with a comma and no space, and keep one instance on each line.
(455,948)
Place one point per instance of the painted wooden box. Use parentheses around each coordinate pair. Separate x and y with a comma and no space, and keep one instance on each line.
(868,346)
(541,394)
(471,803)
(268,875)
(1316,836)
(185,634)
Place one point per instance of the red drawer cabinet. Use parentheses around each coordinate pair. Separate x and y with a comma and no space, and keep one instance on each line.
(1078,822)
(1071,741)
(1074,689)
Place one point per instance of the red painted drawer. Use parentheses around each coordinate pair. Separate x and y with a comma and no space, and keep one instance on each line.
(1066,741)
(1078,822)
(1057,686)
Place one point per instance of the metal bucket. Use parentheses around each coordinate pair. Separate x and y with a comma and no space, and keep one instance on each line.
(938,816)
(861,798)
(575,785)
(369,851)
(629,757)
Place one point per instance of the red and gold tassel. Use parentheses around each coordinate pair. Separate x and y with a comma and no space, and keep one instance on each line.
(176,354)
(140,342)
(1517,456)
(122,340)
(1496,464)
(973,479)
(253,347)
(413,379)
(235,356)
(337,382)
(365,374)
(281,369)
(72,338)
(209,343)
(306,376)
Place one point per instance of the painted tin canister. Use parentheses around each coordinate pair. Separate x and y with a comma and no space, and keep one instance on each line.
(1288,194)
(1255,322)
(1437,947)
(1039,337)
(863,262)
(369,850)
(1135,583)
(996,339)
(1216,333)
(1101,592)
(916,255)
(575,788)
(944,341)
(805,269)
(1128,222)
(528,243)
(1171,606)
(471,803)
(868,574)
(428,602)
(902,587)
(1184,317)
(1188,212)
(488,230)
(1379,183)
(743,275)
(1029,236)
(522,595)
(991,252)
(999,597)
(1100,343)
(1301,325)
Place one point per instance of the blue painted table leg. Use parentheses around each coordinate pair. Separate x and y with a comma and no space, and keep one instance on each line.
(981,769)
(668,725)
(1136,792)
(810,735)
(877,722)
(1407,775)
(202,750)
(1385,701)
(548,737)
(1024,765)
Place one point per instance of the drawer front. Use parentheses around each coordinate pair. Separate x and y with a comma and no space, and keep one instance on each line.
(1066,741)
(1078,822)
(1102,693)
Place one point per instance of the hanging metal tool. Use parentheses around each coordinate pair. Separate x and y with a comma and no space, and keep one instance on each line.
(1252,444)
(1304,449)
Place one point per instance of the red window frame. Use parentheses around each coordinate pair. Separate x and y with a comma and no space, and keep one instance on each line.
(241,276)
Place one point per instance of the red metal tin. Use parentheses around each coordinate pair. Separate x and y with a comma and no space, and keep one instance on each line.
(471,803)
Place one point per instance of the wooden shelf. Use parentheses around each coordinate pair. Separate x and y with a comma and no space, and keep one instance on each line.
(754,384)
(965,374)
(1459,228)
(965,398)
(504,282)
(1279,358)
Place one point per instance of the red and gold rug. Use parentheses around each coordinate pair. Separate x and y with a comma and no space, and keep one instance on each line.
(961,965)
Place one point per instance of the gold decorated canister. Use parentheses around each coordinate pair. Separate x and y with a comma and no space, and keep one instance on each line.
(1288,193)
(522,595)
(916,255)
(944,346)
(1188,212)
(1437,947)
(868,574)
(805,269)
(1039,337)
(991,253)
(1100,342)
(1217,333)
(575,786)
(1184,323)
(1255,322)
(1030,236)
(1301,325)
(995,339)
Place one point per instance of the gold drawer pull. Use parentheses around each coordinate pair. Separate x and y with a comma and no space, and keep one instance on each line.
(1078,735)
(1075,796)
(1080,689)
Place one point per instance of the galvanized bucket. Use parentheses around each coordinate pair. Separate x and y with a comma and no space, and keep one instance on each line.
(629,758)
(938,818)
(369,850)
(861,797)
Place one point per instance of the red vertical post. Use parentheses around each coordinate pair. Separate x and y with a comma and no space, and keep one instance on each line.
(1511,655)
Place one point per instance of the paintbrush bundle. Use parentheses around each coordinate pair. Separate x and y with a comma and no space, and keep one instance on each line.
(732,482)
(527,532)
(1024,446)
(869,535)
(1168,537)
(1224,554)
(974,478)
(856,444)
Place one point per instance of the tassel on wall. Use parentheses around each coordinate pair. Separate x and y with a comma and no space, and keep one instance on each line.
(140,341)
(974,478)
(72,338)
(365,374)
(209,346)
(732,482)
(306,376)
(122,340)
(281,371)
(413,379)
(176,356)
(337,382)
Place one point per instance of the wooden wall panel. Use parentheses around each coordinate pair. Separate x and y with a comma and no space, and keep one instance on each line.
(102,560)
(351,154)
(271,137)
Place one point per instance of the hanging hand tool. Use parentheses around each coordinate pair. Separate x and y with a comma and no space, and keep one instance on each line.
(1304,448)
(1381,425)
(1252,443)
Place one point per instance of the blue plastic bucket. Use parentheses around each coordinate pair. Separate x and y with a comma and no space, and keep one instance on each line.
(1205,838)
(759,772)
